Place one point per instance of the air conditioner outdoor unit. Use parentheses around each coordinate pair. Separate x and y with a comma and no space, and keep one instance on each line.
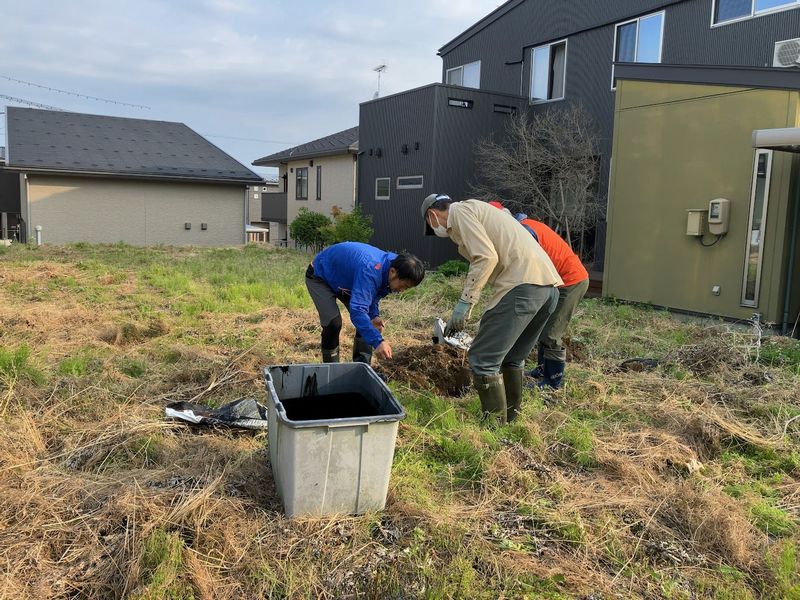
(787,53)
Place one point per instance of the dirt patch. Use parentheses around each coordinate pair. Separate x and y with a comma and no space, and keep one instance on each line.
(128,333)
(438,368)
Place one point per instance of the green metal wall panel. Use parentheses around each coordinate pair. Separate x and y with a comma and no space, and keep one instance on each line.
(673,151)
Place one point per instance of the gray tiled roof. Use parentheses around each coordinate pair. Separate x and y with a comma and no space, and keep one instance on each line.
(336,143)
(44,140)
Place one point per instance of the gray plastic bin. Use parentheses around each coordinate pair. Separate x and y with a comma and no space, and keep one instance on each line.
(338,464)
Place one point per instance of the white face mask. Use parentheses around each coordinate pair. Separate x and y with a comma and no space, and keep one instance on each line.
(440,230)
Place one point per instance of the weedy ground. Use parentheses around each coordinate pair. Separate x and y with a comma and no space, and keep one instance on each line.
(679,481)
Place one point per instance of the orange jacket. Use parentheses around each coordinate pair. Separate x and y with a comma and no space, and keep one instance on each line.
(566,262)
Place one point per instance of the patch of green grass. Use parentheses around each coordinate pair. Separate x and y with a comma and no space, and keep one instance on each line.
(460,455)
(523,433)
(162,568)
(762,463)
(725,585)
(74,366)
(413,482)
(133,367)
(16,364)
(562,526)
(453,268)
(785,567)
(785,354)
(578,436)
(428,410)
(772,520)
(763,510)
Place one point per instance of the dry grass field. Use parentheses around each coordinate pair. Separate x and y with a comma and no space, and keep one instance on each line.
(676,482)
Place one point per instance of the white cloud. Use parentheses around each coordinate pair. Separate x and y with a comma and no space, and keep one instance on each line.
(245,68)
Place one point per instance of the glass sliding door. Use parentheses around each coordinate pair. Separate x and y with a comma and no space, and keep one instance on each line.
(756,228)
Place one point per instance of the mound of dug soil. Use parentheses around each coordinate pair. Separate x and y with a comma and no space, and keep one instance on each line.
(439,368)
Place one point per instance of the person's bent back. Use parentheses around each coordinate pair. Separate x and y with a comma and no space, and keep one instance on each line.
(359,276)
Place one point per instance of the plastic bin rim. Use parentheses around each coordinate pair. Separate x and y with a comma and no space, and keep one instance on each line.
(332,423)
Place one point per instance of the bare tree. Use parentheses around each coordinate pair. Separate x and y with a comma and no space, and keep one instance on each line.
(546,165)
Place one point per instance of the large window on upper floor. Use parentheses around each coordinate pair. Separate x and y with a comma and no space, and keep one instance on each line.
(468,75)
(734,10)
(548,71)
(638,40)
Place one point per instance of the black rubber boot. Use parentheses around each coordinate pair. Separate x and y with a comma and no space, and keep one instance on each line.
(553,373)
(362,351)
(512,382)
(538,372)
(330,356)
(492,393)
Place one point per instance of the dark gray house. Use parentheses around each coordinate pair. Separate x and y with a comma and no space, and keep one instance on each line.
(539,54)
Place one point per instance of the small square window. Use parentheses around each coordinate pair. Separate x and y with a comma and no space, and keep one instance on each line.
(383,187)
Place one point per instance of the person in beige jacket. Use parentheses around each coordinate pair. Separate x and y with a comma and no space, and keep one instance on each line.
(504,254)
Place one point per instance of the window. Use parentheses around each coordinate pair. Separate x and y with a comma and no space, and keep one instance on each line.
(755,228)
(639,40)
(411,182)
(382,187)
(548,71)
(468,75)
(301,183)
(319,182)
(735,10)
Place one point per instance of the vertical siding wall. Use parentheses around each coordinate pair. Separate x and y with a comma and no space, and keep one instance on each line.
(384,125)
(590,28)
(141,213)
(675,148)
(446,135)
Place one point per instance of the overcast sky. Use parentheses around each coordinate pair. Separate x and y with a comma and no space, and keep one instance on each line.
(282,73)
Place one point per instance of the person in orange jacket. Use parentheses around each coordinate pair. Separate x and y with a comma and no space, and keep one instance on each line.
(552,355)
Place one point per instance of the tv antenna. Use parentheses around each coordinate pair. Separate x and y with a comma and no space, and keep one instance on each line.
(379,69)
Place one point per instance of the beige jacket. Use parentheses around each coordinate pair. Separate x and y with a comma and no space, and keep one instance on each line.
(499,250)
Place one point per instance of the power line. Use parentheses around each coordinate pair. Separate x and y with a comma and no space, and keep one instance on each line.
(29,102)
(76,94)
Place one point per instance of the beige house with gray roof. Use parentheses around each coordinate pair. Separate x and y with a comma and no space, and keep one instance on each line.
(72,177)
(319,175)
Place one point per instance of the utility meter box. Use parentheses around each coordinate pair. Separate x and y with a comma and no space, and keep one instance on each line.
(696,221)
(719,212)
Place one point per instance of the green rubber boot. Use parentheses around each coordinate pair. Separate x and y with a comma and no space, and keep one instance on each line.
(493,396)
(512,381)
(330,356)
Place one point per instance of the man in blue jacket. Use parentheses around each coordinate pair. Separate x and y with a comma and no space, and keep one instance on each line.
(358,275)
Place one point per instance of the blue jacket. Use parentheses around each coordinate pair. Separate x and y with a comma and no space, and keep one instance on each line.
(361,272)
